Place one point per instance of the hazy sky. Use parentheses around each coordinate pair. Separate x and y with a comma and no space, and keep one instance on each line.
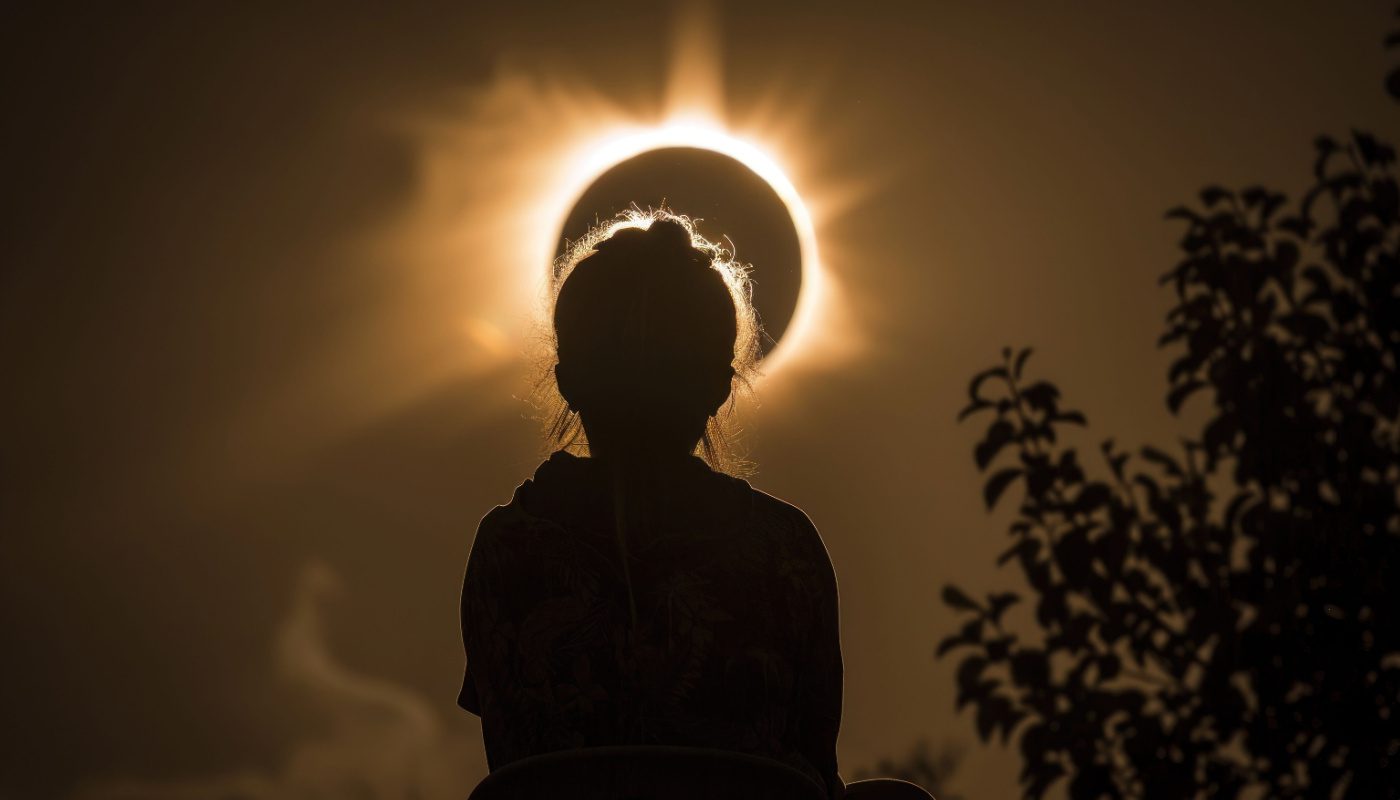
(264,366)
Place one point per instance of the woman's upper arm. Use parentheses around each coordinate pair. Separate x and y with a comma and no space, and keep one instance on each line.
(824,669)
(476,589)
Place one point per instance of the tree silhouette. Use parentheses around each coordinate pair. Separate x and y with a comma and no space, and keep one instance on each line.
(919,766)
(1224,617)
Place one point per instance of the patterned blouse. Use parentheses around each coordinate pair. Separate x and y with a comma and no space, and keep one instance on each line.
(717,629)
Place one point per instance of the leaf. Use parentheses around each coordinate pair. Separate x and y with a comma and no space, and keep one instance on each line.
(1000,602)
(1179,394)
(1072,554)
(1041,779)
(986,720)
(1253,196)
(1020,362)
(1009,723)
(975,386)
(998,483)
(1237,505)
(1212,195)
(949,643)
(1220,433)
(978,692)
(972,631)
(999,648)
(1184,366)
(957,598)
(1373,152)
(1272,203)
(999,435)
(970,671)
(1041,395)
(1070,472)
(973,408)
(1149,485)
(1040,477)
(1026,548)
(1071,418)
(993,714)
(1035,741)
(1115,460)
(1182,212)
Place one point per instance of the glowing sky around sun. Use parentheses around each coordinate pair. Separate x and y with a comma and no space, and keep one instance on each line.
(616,149)
(549,140)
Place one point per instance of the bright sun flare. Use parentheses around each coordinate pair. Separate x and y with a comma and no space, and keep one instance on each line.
(618,147)
(500,178)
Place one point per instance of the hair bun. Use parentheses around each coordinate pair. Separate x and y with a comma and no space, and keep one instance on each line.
(670,234)
(666,239)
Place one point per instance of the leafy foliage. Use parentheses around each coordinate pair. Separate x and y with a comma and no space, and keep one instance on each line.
(1225,616)
(920,766)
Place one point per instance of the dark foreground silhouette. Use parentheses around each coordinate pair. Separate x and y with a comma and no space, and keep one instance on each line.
(1223,621)
(636,623)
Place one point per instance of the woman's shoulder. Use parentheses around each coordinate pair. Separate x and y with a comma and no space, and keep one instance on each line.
(795,529)
(781,511)
(511,523)
(537,496)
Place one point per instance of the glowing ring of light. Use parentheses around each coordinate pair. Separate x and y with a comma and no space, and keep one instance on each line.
(611,151)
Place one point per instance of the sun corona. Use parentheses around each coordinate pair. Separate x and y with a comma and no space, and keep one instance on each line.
(609,151)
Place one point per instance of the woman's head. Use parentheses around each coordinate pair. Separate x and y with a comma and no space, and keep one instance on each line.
(653,330)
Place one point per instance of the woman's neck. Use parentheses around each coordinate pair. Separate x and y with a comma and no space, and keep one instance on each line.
(633,444)
(640,460)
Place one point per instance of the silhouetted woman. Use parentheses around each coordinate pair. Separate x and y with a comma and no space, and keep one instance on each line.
(638,596)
